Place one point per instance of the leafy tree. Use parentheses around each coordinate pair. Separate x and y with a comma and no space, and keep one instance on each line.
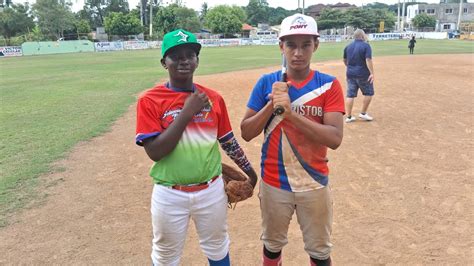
(257,12)
(82,26)
(188,19)
(385,15)
(95,9)
(369,18)
(424,20)
(36,35)
(358,18)
(54,17)
(276,15)
(117,6)
(80,30)
(239,12)
(15,20)
(377,5)
(120,24)
(224,19)
(144,14)
(331,19)
(173,17)
(203,13)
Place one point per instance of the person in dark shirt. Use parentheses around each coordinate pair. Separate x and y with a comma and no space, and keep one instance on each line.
(359,74)
(411,44)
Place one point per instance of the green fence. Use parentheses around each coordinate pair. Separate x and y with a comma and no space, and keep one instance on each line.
(59,47)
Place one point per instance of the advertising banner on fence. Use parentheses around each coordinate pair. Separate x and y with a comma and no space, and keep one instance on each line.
(108,46)
(331,38)
(154,44)
(268,41)
(135,45)
(219,42)
(10,51)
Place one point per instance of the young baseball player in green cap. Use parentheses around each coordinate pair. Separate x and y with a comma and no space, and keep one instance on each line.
(294,162)
(181,124)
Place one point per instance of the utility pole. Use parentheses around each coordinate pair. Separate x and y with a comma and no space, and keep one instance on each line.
(398,17)
(303,8)
(403,15)
(142,16)
(151,18)
(459,17)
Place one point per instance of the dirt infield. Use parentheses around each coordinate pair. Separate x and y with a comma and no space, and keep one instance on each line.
(402,184)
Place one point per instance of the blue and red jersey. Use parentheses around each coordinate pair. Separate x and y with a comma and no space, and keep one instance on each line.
(289,161)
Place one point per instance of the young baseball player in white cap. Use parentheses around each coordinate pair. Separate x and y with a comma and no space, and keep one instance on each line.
(294,162)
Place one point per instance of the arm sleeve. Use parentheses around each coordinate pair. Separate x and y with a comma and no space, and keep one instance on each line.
(368,52)
(258,98)
(227,140)
(148,121)
(334,101)
(235,152)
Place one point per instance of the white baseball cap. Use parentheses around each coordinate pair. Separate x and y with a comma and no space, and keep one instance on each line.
(298,24)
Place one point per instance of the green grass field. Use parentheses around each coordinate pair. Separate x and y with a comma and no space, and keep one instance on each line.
(50,103)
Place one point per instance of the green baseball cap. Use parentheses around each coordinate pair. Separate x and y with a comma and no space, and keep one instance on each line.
(179,37)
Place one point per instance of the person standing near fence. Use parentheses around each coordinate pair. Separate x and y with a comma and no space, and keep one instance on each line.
(411,44)
(359,74)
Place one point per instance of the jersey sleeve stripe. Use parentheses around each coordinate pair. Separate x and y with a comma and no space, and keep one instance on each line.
(312,94)
(253,107)
(140,137)
(284,183)
(276,120)
(229,135)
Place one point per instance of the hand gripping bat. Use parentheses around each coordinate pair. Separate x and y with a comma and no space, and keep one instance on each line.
(278,110)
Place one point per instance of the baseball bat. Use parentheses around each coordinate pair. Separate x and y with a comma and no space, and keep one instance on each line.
(278,110)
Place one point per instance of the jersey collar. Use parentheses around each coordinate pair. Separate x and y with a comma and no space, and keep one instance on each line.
(168,85)
(304,82)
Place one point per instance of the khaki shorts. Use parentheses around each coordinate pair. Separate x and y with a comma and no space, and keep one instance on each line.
(313,211)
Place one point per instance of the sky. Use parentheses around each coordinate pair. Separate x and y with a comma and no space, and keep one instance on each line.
(287,4)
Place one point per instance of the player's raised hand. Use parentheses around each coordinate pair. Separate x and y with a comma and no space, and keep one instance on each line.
(195,102)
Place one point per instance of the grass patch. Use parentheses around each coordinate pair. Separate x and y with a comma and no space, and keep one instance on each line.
(49,103)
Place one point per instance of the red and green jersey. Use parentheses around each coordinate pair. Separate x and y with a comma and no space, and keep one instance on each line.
(196,157)
(289,160)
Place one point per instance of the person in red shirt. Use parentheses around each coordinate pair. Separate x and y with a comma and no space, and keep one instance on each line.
(181,125)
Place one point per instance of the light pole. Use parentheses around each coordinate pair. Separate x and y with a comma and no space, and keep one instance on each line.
(459,17)
(151,18)
(403,15)
(398,16)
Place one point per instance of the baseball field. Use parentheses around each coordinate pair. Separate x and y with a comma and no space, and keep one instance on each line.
(74,186)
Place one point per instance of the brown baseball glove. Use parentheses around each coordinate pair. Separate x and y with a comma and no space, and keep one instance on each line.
(237,185)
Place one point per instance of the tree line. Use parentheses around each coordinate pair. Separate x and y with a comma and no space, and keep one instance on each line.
(53,19)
